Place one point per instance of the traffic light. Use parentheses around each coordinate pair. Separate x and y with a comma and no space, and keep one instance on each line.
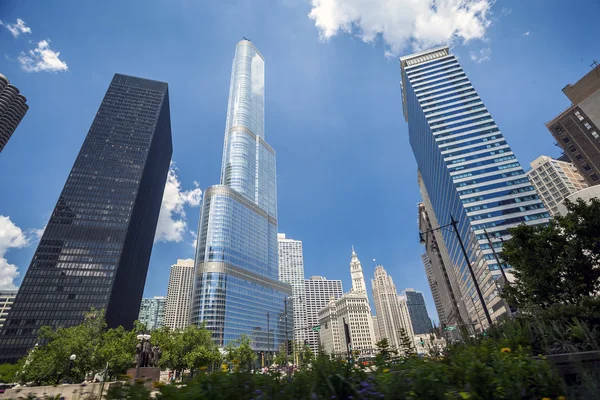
(290,347)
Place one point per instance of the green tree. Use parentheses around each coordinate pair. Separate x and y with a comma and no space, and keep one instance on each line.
(117,350)
(407,347)
(558,262)
(384,351)
(239,353)
(50,363)
(8,372)
(188,348)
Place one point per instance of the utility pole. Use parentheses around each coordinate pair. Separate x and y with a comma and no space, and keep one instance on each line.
(454,222)
(496,256)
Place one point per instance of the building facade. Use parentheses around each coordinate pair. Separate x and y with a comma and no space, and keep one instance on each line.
(291,270)
(96,246)
(385,296)
(152,312)
(13,107)
(236,285)
(592,192)
(554,180)
(444,276)
(435,292)
(468,170)
(319,291)
(354,310)
(577,129)
(7,298)
(179,294)
(417,310)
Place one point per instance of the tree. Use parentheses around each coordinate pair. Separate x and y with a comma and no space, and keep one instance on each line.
(558,262)
(50,363)
(239,353)
(117,350)
(384,351)
(189,348)
(8,372)
(407,347)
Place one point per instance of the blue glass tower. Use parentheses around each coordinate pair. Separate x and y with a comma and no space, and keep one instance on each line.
(468,170)
(236,286)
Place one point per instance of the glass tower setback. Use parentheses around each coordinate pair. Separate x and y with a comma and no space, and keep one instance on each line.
(468,169)
(97,244)
(236,287)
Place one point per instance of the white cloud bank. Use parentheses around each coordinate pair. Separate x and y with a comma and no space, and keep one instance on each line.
(11,237)
(17,28)
(171,221)
(42,58)
(419,24)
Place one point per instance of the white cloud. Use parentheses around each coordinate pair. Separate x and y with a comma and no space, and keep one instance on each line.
(527,33)
(419,24)
(171,220)
(194,242)
(481,55)
(42,58)
(18,28)
(11,237)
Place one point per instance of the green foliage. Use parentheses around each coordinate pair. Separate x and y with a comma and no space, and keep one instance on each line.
(239,353)
(557,263)
(384,352)
(50,363)
(467,372)
(406,344)
(190,348)
(96,347)
(8,372)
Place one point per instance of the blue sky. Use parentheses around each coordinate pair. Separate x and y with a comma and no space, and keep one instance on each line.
(346,173)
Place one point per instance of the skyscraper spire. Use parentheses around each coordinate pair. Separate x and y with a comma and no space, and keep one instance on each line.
(358,279)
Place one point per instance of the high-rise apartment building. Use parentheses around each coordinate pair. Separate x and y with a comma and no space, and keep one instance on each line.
(385,296)
(554,181)
(97,244)
(319,291)
(179,294)
(13,107)
(442,275)
(577,129)
(291,270)
(352,310)
(237,289)
(417,310)
(468,170)
(152,312)
(435,291)
(7,298)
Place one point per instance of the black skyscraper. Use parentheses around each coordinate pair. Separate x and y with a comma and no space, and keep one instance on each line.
(96,247)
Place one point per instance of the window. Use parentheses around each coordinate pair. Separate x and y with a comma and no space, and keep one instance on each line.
(594,177)
(578,115)
(595,134)
(566,139)
(579,157)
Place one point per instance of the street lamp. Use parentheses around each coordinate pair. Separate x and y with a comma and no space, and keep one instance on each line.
(142,337)
(71,359)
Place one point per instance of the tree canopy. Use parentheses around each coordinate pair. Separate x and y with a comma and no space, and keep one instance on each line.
(558,262)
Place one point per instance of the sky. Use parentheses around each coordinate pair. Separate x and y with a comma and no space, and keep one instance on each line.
(346,174)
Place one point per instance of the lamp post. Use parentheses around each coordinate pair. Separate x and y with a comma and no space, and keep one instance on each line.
(142,337)
(453,223)
(71,359)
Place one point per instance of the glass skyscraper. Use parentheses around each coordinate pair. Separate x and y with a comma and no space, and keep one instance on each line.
(237,289)
(97,244)
(468,170)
